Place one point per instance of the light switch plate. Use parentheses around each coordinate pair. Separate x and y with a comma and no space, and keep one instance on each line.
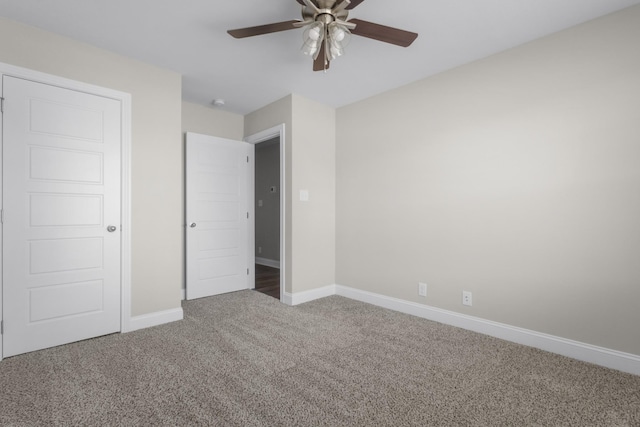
(304,195)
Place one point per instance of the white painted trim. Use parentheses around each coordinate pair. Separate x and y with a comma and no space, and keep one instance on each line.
(310,295)
(268,262)
(265,135)
(613,359)
(125,242)
(287,298)
(125,100)
(155,319)
(625,362)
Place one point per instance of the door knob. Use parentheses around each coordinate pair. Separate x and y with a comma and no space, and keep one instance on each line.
(111,228)
(192,225)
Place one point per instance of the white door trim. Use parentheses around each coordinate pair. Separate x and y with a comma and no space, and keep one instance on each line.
(125,173)
(265,135)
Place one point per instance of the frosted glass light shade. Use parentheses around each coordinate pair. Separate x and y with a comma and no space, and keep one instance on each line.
(313,36)
(338,39)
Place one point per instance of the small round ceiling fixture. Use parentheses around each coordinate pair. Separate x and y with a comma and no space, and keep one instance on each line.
(218,102)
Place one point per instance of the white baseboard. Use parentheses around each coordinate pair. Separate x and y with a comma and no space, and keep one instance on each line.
(267,262)
(155,319)
(306,296)
(613,359)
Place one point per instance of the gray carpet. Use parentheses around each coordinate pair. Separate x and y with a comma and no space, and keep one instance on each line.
(244,359)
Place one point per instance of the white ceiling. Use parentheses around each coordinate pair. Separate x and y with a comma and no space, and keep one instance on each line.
(189,36)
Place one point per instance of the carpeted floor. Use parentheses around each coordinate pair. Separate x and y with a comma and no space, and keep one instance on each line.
(245,359)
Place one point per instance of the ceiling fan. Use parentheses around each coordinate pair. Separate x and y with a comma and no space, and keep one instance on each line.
(327,30)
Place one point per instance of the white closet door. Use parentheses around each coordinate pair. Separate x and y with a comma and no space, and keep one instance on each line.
(61,199)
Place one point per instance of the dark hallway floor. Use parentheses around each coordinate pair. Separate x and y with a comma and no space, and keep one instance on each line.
(268,280)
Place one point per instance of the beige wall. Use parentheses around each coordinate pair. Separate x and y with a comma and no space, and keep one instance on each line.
(515,177)
(309,165)
(211,121)
(313,169)
(156,175)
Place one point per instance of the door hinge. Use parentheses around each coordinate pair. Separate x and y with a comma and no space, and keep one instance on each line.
(1,216)
(1,105)
(247,271)
(247,159)
(247,215)
(1,327)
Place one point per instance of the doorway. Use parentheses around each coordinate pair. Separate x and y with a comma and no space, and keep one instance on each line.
(269,202)
(267,217)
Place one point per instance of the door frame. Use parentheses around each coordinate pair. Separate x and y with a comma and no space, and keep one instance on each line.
(265,135)
(125,175)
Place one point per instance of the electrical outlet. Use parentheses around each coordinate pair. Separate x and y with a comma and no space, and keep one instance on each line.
(422,289)
(467,298)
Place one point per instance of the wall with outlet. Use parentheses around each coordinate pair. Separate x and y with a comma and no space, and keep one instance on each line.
(515,177)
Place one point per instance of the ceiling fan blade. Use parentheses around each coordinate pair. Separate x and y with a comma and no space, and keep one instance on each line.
(262,29)
(353,4)
(319,62)
(383,33)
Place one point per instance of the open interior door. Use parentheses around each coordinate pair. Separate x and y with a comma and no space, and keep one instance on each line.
(219,214)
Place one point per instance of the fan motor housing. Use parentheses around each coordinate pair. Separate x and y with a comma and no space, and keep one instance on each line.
(326,4)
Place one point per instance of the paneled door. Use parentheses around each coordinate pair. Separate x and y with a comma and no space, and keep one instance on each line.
(219,246)
(61,203)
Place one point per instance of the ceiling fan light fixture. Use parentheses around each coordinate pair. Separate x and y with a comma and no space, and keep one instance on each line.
(335,50)
(338,32)
(313,36)
(327,29)
(338,37)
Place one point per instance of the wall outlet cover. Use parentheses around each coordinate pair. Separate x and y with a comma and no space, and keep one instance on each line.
(422,289)
(467,298)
